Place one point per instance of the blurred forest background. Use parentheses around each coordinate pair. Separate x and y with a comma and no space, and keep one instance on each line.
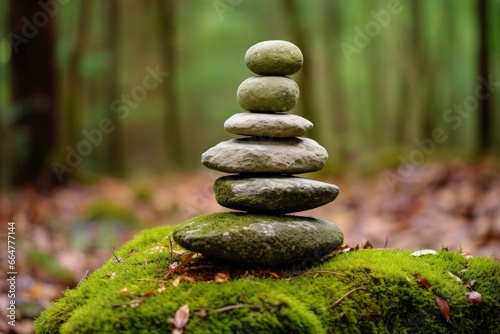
(371,98)
(106,107)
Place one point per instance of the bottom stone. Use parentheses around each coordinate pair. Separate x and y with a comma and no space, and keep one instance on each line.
(260,239)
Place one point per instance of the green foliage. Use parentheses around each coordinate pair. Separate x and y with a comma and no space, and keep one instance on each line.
(99,225)
(409,73)
(47,262)
(107,212)
(394,300)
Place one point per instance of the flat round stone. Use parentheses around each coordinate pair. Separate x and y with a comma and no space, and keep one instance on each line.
(274,58)
(266,155)
(268,94)
(260,239)
(272,194)
(267,124)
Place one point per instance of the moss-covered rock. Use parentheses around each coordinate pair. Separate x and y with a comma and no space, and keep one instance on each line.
(275,194)
(138,295)
(262,239)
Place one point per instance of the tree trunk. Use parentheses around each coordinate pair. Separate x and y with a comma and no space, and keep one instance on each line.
(309,108)
(332,31)
(74,93)
(425,71)
(485,122)
(167,36)
(115,154)
(34,85)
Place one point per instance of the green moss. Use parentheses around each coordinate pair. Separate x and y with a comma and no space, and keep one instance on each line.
(394,300)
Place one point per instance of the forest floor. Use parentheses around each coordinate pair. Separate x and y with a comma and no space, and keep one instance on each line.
(63,236)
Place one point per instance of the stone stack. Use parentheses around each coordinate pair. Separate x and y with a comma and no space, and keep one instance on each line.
(263,164)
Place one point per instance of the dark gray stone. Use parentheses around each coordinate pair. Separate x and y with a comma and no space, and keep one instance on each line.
(274,58)
(267,94)
(267,124)
(272,194)
(266,155)
(267,240)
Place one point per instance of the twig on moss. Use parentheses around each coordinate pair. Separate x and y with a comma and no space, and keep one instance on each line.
(203,311)
(173,252)
(203,267)
(84,276)
(132,303)
(347,294)
(116,257)
(322,272)
(171,245)
(152,280)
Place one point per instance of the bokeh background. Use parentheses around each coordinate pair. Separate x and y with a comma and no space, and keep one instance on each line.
(106,107)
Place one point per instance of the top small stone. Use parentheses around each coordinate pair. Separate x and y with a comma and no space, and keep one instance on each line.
(274,58)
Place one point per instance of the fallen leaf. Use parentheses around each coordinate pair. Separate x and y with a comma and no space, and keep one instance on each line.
(274,275)
(176,282)
(156,249)
(136,302)
(444,307)
(180,320)
(467,255)
(424,252)
(149,293)
(471,284)
(423,281)
(186,257)
(474,297)
(222,277)
(174,266)
(188,278)
(161,289)
(126,292)
(366,244)
(457,279)
(109,275)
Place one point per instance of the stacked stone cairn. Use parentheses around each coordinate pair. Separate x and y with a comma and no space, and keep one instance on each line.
(262,164)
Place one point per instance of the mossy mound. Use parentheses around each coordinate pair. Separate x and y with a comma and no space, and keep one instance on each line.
(140,293)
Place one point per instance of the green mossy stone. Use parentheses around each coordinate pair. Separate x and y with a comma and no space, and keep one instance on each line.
(393,302)
(276,194)
(268,94)
(261,239)
(274,58)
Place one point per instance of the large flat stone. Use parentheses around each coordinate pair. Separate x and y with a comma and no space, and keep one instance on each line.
(267,240)
(272,194)
(266,155)
(274,58)
(267,124)
(266,94)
